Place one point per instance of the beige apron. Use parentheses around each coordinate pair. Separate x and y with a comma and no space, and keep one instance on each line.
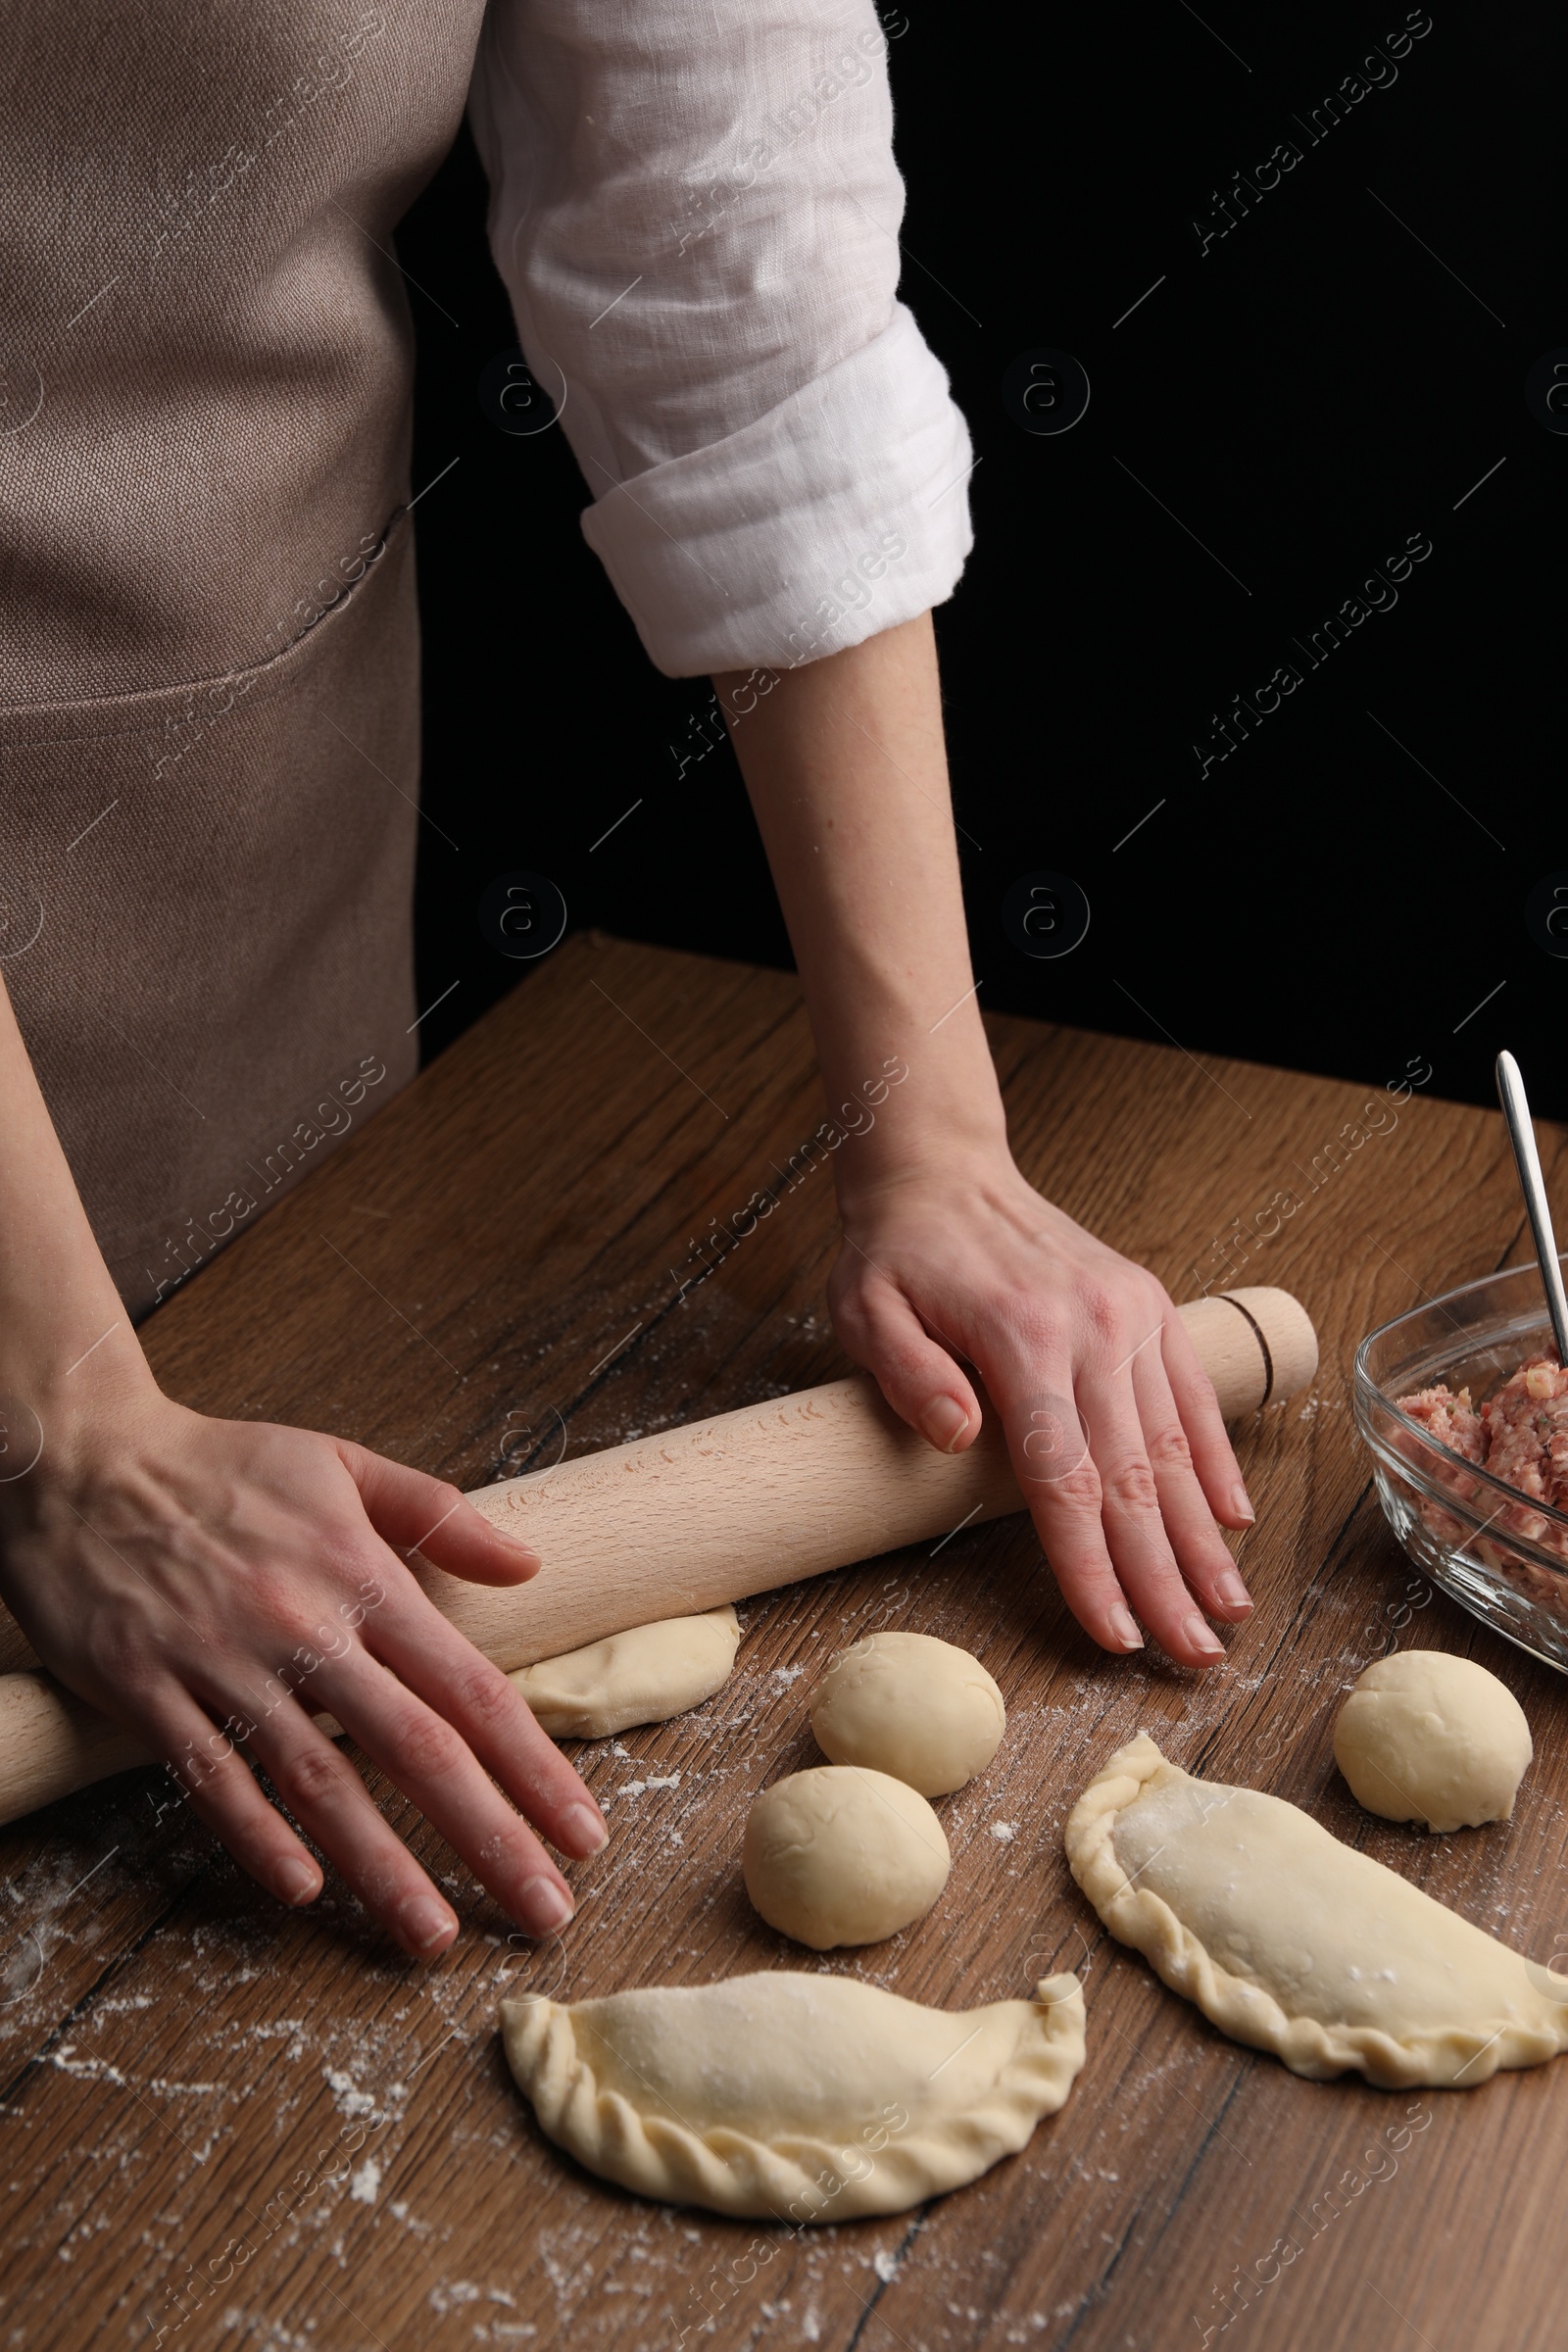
(208,643)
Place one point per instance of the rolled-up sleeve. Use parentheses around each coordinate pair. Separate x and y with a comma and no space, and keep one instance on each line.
(695,210)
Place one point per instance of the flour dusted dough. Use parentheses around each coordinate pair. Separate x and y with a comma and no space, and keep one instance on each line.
(838,1855)
(644,1676)
(906,1703)
(1425,1735)
(1291,1941)
(793,2097)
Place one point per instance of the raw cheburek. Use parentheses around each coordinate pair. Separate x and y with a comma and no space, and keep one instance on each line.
(1297,1943)
(790,2096)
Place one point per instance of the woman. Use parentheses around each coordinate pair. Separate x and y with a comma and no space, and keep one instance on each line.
(209,809)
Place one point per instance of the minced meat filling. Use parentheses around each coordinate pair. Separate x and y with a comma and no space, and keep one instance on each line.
(1527,1432)
(1453,1420)
(1520,1434)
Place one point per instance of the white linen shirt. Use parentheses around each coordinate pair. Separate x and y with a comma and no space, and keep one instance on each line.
(695,210)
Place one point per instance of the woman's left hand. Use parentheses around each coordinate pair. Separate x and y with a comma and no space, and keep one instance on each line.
(1111,1423)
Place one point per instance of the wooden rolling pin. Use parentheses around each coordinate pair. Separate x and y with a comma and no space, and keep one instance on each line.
(680,1522)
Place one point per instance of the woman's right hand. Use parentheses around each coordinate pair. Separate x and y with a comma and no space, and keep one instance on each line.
(207,1583)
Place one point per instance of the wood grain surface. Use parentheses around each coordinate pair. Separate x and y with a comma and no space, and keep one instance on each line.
(225,2125)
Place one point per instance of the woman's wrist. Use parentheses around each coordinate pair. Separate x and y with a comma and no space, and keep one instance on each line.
(942,1144)
(60,1393)
(926,1109)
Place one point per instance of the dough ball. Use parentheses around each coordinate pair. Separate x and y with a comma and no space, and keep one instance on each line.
(914,1707)
(644,1676)
(840,1856)
(1428,1737)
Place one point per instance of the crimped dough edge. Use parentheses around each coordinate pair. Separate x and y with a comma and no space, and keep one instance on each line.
(791,2180)
(1456,2058)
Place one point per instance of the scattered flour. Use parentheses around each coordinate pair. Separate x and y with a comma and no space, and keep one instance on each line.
(346,2096)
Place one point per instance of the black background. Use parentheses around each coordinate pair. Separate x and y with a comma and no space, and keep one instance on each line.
(1342,892)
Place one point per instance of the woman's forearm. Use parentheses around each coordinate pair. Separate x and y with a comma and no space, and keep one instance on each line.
(57,1298)
(845,763)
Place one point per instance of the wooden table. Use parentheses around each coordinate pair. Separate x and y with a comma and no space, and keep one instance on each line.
(499,1254)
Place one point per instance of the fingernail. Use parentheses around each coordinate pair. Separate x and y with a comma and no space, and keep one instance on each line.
(543,1907)
(1201,1637)
(944,1422)
(297,1882)
(426,1923)
(1125,1630)
(586,1829)
(1242,1505)
(1232,1591)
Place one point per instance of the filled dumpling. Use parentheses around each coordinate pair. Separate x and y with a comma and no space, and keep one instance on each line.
(792,2097)
(1290,1941)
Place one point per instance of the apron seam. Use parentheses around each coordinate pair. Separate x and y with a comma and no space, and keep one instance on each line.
(274,674)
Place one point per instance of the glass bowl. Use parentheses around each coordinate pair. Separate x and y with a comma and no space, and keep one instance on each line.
(1500,1554)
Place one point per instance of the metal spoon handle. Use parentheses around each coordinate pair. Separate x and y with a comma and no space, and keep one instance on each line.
(1522,1135)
